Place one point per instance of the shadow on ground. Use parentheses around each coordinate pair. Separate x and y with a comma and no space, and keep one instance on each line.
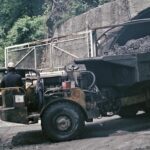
(117,126)
(29,138)
(101,128)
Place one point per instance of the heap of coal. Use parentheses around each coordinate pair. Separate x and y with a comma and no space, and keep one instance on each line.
(133,46)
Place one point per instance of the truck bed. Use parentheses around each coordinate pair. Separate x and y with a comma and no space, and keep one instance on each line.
(122,70)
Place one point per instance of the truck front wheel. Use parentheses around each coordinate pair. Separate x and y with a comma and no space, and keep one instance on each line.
(62,121)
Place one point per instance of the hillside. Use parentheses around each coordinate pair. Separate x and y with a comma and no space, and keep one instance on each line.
(23,21)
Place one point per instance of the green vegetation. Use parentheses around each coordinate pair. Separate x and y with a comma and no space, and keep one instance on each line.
(26,29)
(27,20)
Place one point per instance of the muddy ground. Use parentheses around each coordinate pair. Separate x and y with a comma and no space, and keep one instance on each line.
(111,133)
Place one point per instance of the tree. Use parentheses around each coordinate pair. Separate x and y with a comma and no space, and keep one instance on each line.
(11,11)
(25,20)
(26,29)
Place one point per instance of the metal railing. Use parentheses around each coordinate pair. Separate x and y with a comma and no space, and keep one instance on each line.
(51,54)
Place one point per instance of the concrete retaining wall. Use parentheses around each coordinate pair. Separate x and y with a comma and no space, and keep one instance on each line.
(114,12)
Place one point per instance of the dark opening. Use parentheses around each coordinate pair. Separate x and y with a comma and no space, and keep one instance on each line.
(135,31)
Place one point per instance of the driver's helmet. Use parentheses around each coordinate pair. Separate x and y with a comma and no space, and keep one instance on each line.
(11,65)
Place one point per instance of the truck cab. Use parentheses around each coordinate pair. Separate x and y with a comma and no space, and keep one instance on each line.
(18,104)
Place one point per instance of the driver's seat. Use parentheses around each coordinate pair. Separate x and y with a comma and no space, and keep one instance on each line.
(8,95)
(13,107)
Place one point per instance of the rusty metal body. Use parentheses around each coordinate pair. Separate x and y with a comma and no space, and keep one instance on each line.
(103,85)
(91,88)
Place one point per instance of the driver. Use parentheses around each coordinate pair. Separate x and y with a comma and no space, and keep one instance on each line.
(11,79)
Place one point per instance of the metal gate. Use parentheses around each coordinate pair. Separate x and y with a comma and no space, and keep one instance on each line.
(51,54)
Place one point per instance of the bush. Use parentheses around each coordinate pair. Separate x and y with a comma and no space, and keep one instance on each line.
(27,29)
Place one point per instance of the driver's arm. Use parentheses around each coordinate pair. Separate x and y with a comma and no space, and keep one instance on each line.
(3,83)
(20,82)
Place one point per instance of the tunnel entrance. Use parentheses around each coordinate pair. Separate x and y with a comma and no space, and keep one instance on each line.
(128,39)
(135,31)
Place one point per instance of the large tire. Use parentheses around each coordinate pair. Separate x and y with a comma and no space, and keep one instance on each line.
(128,112)
(62,121)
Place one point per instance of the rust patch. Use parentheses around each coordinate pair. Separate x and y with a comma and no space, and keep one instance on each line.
(78,96)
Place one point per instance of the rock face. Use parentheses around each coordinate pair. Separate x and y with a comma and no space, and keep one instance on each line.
(117,11)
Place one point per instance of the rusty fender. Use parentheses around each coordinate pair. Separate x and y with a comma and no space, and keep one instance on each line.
(77,96)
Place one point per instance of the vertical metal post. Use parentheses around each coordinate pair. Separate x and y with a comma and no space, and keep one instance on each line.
(6,57)
(93,43)
(52,55)
(35,59)
(94,35)
(87,39)
(50,48)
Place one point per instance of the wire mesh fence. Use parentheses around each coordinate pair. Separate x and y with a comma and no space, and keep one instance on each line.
(50,54)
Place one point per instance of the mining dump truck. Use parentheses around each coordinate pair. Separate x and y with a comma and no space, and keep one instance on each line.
(90,88)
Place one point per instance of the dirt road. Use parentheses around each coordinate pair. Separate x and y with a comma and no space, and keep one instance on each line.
(111,133)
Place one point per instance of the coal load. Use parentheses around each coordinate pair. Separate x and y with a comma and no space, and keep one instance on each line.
(133,46)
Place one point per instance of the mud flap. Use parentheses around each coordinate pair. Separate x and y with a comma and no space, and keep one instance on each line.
(16,115)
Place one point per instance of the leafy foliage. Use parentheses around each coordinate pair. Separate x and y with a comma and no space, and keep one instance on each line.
(26,29)
(26,20)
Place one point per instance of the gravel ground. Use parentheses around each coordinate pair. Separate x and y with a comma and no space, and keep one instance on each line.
(111,133)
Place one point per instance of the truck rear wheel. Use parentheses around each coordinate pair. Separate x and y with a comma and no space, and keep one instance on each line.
(128,112)
(62,121)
